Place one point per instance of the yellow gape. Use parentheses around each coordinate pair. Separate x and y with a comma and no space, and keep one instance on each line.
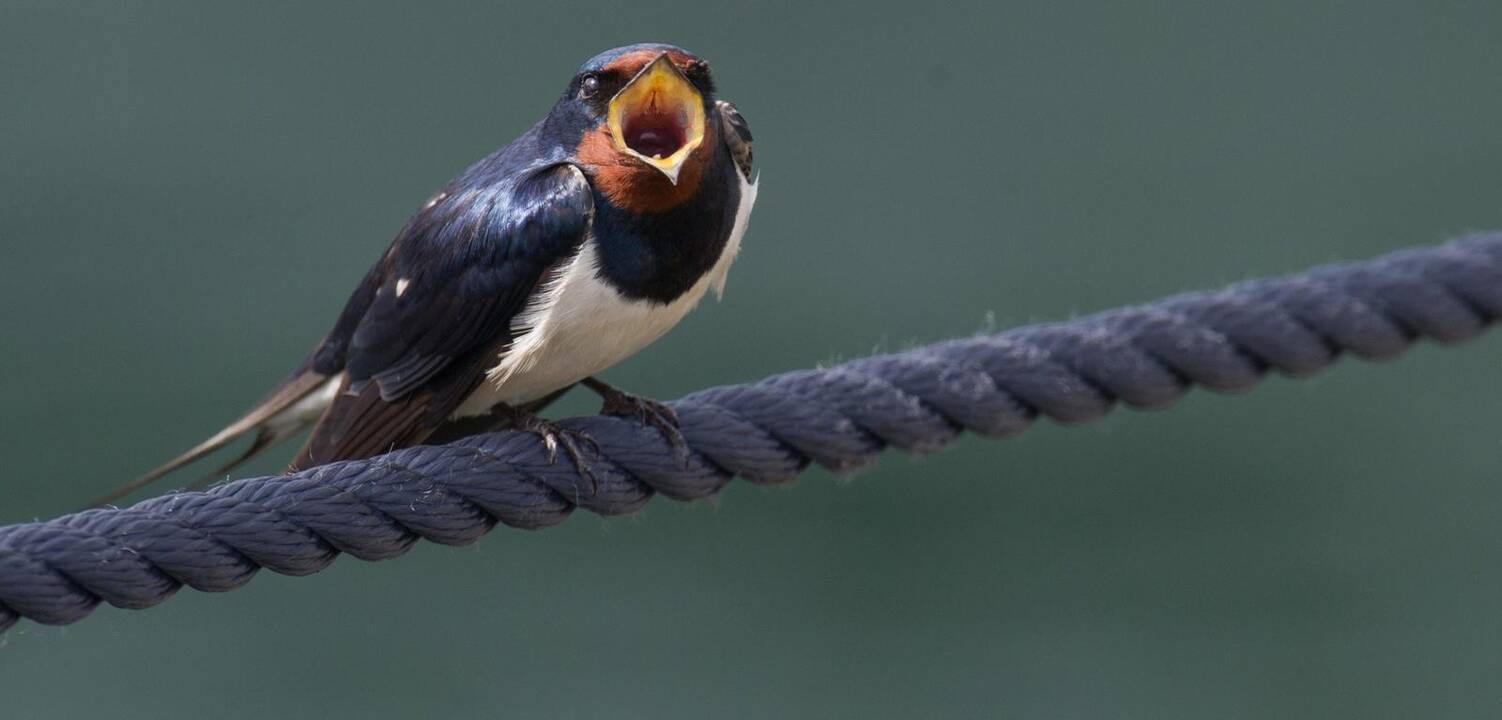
(658,117)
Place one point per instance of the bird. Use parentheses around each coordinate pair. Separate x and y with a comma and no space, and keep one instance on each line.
(573,247)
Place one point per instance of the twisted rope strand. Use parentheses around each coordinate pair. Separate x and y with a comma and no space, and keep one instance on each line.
(919,400)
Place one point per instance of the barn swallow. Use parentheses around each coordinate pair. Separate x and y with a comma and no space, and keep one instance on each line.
(554,258)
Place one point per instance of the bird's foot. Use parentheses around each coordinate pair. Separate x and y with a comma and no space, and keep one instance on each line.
(555,436)
(649,412)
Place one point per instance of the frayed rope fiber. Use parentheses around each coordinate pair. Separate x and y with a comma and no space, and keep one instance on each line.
(57,571)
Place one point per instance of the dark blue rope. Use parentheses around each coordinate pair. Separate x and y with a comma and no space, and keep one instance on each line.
(1147,356)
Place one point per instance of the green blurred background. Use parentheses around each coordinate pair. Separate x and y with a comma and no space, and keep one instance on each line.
(189,191)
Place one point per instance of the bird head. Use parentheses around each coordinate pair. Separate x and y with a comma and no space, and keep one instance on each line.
(648,127)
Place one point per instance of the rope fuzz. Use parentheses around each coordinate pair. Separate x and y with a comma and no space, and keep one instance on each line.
(57,571)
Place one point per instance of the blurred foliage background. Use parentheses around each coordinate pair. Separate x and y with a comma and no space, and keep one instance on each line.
(188,191)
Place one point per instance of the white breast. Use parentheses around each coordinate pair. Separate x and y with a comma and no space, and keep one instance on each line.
(578,325)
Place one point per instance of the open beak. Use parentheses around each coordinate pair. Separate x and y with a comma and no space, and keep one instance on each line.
(658,117)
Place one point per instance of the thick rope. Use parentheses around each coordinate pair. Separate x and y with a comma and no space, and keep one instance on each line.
(57,571)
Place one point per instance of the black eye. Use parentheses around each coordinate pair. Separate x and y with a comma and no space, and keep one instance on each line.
(589,85)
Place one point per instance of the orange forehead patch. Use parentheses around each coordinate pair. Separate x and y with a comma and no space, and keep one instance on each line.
(631,63)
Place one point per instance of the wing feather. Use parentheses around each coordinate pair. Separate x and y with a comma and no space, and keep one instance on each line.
(465,271)
(417,334)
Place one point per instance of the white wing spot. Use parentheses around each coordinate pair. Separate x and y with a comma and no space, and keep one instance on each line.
(435,200)
(401,286)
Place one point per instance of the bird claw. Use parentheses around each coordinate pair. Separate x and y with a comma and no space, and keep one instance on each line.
(554,436)
(649,412)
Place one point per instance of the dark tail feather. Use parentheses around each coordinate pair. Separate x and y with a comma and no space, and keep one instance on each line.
(284,397)
(265,440)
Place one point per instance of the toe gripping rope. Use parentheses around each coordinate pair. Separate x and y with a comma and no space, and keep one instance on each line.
(840,417)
